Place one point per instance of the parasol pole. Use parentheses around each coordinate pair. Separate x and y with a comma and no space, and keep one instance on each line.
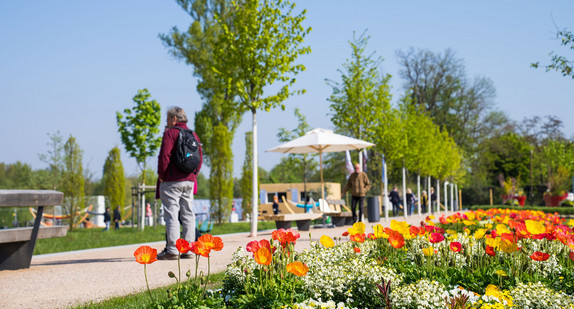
(321,164)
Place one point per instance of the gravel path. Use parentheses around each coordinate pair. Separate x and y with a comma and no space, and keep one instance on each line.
(63,280)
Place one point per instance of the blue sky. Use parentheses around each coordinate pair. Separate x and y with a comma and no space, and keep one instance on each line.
(68,66)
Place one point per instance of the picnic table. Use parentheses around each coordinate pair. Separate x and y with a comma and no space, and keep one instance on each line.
(17,244)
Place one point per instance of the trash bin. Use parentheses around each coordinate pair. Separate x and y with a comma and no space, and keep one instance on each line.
(373,213)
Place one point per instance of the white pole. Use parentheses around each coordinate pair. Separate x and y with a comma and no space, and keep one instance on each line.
(404,190)
(385,198)
(452,196)
(438,196)
(456,196)
(430,196)
(446,196)
(254,197)
(419,192)
(142,212)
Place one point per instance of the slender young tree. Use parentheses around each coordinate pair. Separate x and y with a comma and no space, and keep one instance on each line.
(114,179)
(139,128)
(73,180)
(257,48)
(221,177)
(247,176)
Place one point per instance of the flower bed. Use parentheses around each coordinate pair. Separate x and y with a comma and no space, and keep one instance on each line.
(479,259)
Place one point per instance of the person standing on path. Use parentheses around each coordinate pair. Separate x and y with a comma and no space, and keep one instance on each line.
(107,219)
(175,186)
(395,200)
(359,184)
(117,217)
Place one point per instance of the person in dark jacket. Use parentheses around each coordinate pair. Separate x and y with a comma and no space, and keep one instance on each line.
(410,201)
(175,187)
(275,205)
(395,200)
(107,218)
(359,184)
(117,217)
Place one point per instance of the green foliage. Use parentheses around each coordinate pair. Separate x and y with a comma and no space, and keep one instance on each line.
(246,176)
(139,128)
(296,167)
(190,296)
(73,180)
(560,63)
(114,179)
(55,161)
(221,177)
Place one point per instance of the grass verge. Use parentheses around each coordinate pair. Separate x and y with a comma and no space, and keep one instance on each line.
(142,299)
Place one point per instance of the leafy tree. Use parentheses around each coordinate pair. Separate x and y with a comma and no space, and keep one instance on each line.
(257,47)
(196,46)
(359,100)
(202,187)
(16,176)
(114,179)
(560,63)
(438,83)
(55,160)
(140,128)
(73,180)
(221,177)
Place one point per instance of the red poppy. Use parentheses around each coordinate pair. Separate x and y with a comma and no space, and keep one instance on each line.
(345,233)
(414,230)
(571,255)
(490,251)
(182,245)
(429,228)
(358,238)
(371,236)
(540,256)
(145,255)
(570,243)
(285,236)
(253,246)
(357,250)
(436,238)
(455,246)
(396,240)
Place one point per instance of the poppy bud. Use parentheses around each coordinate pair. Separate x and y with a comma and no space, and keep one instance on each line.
(171,274)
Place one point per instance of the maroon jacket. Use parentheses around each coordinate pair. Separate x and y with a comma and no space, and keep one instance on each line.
(166,170)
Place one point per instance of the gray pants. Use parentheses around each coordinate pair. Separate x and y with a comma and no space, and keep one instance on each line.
(177,200)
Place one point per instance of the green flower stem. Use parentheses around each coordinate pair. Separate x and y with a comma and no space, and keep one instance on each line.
(147,284)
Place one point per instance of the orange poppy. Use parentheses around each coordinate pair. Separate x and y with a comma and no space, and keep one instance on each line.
(211,242)
(357,250)
(145,255)
(397,240)
(455,246)
(182,245)
(263,256)
(200,248)
(540,256)
(297,268)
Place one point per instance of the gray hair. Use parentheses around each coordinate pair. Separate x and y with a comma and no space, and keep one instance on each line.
(178,113)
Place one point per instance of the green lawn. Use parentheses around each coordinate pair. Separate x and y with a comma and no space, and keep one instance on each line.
(80,239)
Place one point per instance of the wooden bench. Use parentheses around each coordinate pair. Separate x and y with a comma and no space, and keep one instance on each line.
(340,218)
(284,221)
(17,244)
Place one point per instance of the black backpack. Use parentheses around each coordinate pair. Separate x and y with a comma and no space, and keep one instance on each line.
(187,153)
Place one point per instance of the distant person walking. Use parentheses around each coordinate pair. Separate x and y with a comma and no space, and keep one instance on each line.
(359,184)
(175,186)
(117,217)
(395,200)
(424,201)
(410,201)
(275,205)
(148,215)
(107,219)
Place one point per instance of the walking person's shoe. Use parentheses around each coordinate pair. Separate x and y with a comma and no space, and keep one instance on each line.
(164,255)
(187,256)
